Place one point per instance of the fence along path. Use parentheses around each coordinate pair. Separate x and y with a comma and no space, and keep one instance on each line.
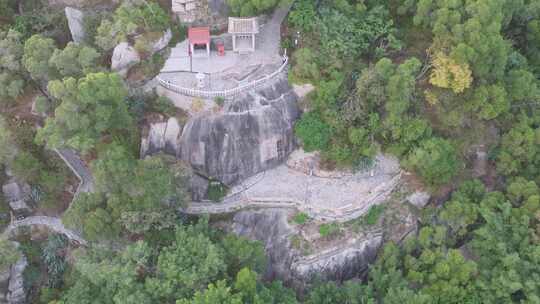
(222,93)
(239,201)
(86,184)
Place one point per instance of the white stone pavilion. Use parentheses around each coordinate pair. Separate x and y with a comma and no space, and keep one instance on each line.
(243,31)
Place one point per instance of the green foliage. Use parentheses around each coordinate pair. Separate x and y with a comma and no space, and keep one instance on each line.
(216,190)
(37,52)
(220,101)
(303,15)
(26,167)
(300,218)
(90,108)
(435,160)
(8,254)
(164,105)
(215,293)
(129,19)
(248,8)
(75,60)
(313,131)
(43,105)
(11,70)
(305,66)
(54,260)
(40,18)
(190,264)
(329,230)
(240,252)
(374,213)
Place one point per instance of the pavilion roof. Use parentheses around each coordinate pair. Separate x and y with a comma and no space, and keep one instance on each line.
(243,25)
(199,35)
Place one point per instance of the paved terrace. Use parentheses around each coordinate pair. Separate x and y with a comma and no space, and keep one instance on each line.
(332,199)
(229,71)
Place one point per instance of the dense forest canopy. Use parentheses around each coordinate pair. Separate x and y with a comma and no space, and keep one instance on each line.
(428,81)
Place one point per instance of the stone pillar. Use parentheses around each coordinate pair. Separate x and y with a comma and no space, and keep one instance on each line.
(234,43)
(208,49)
(253,42)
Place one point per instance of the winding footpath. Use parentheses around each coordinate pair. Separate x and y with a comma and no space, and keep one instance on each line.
(77,166)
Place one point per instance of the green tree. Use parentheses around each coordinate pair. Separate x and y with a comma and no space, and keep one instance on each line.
(11,70)
(26,167)
(305,67)
(313,132)
(130,19)
(188,265)
(90,108)
(37,52)
(250,7)
(240,252)
(435,160)
(217,293)
(75,60)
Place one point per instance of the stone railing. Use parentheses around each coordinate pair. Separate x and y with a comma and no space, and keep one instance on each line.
(222,93)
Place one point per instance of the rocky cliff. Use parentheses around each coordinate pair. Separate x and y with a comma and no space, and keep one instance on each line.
(254,132)
(270,226)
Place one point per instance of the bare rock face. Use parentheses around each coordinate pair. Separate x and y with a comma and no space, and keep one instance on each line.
(16,195)
(253,133)
(16,293)
(4,283)
(419,199)
(75,19)
(124,56)
(162,136)
(270,226)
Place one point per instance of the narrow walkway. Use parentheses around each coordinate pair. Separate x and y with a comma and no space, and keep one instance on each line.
(80,170)
(328,199)
(52,223)
(78,167)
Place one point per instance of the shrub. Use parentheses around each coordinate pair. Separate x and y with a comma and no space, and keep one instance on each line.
(216,191)
(372,216)
(435,160)
(313,131)
(328,230)
(301,218)
(220,101)
(164,105)
(250,7)
(305,66)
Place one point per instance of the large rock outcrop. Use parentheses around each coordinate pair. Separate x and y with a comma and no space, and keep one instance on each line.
(270,226)
(124,56)
(75,20)
(253,133)
(17,195)
(16,293)
(163,136)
